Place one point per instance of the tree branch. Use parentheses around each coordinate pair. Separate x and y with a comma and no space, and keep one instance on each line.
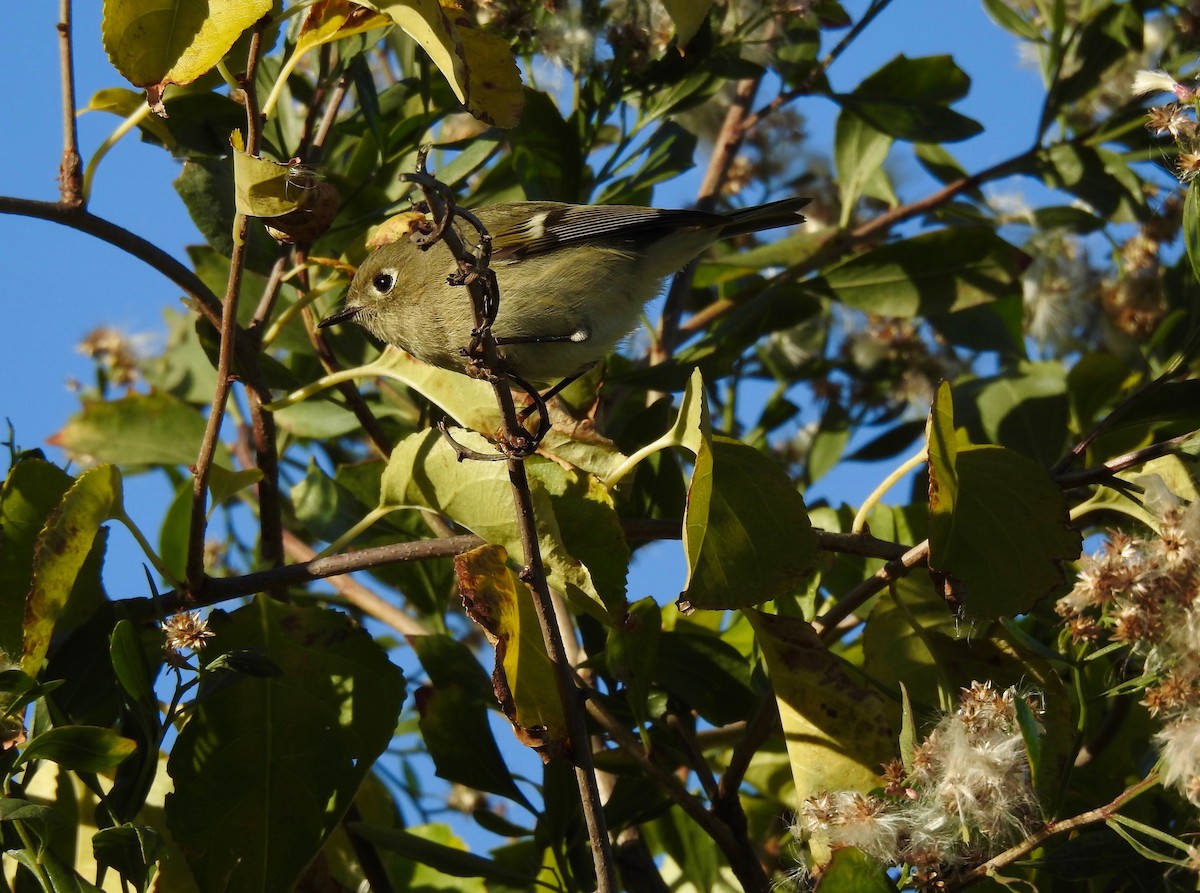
(1031,843)
(229,331)
(70,169)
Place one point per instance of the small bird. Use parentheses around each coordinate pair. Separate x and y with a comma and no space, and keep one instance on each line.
(572,281)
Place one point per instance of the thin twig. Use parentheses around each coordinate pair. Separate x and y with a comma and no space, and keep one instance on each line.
(745,864)
(222,589)
(1031,843)
(70,169)
(212,431)
(828,623)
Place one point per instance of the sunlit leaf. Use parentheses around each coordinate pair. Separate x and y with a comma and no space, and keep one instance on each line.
(62,547)
(154,43)
(688,16)
(139,429)
(424,471)
(859,152)
(479,66)
(936,272)
(998,522)
(836,731)
(524,678)
(265,188)
(31,491)
(758,544)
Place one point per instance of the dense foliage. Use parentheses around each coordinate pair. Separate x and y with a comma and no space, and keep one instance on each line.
(931,687)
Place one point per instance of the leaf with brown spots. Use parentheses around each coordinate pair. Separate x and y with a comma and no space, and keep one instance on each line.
(523,678)
(836,731)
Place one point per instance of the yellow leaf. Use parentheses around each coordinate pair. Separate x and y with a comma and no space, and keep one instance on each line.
(480,67)
(688,16)
(524,678)
(836,731)
(154,43)
(330,20)
(265,188)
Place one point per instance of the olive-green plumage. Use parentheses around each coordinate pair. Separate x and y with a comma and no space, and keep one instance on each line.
(572,278)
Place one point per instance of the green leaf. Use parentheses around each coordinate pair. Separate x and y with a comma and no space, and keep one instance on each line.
(836,731)
(546,155)
(998,522)
(852,871)
(291,750)
(688,16)
(154,43)
(1024,409)
(669,152)
(758,544)
(449,662)
(459,740)
(131,850)
(129,663)
(1010,20)
(631,651)
(31,491)
(709,675)
(59,877)
(265,188)
(139,429)
(80,748)
(453,861)
(1104,40)
(859,152)
(590,528)
(62,548)
(936,272)
(1191,227)
(424,472)
(1098,176)
(935,79)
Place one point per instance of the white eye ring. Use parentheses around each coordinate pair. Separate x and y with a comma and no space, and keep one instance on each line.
(384,281)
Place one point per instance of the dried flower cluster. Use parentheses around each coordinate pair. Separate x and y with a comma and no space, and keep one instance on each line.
(967,794)
(114,354)
(1175,119)
(185,630)
(1144,593)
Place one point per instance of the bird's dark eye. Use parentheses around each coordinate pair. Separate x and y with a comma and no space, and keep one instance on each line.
(383,282)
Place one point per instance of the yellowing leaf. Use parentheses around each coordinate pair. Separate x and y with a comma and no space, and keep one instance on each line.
(836,731)
(158,42)
(265,188)
(330,20)
(524,678)
(61,548)
(480,67)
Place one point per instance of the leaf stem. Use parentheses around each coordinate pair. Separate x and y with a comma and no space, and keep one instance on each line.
(147,549)
(860,519)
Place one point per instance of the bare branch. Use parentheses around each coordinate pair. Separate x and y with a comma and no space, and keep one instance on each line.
(70,169)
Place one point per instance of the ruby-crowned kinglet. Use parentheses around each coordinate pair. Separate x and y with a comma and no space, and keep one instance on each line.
(572,279)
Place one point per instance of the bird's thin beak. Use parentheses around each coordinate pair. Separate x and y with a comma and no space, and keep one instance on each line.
(343,315)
